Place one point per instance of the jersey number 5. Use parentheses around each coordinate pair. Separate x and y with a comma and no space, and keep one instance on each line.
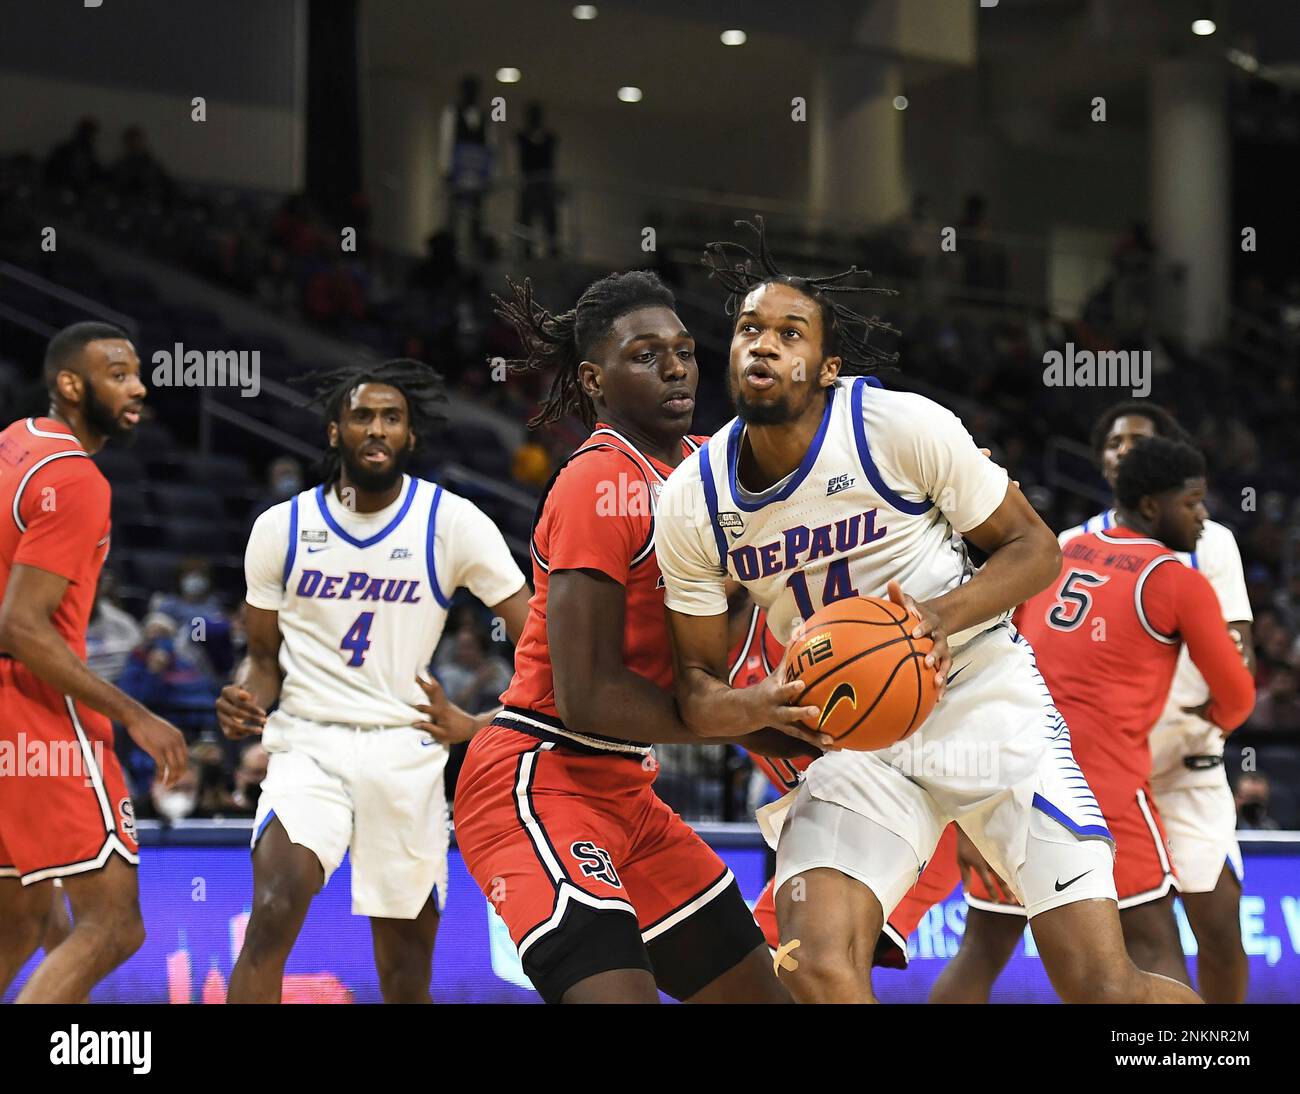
(1074,601)
(357,640)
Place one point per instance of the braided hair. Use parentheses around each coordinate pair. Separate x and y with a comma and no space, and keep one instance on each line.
(562,342)
(845,331)
(420,384)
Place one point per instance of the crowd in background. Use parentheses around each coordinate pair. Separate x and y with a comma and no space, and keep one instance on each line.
(984,358)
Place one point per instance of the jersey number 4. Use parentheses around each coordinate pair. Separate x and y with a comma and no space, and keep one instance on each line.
(357,640)
(1074,601)
(838,586)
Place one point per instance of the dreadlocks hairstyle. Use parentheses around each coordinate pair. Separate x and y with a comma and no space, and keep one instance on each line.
(1164,423)
(562,342)
(1154,465)
(846,332)
(421,385)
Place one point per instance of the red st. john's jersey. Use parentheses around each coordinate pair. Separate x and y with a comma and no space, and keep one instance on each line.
(597,513)
(55,516)
(1107,634)
(753,659)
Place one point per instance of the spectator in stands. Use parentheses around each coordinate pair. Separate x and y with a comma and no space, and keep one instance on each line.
(138,176)
(335,294)
(113,632)
(180,800)
(1252,794)
(203,627)
(249,776)
(475,675)
(985,260)
(465,161)
(1279,704)
(167,681)
(74,165)
(284,479)
(531,465)
(537,195)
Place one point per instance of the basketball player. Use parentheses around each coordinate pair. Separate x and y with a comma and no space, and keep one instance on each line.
(348,589)
(824,488)
(1188,780)
(1119,613)
(70,821)
(607,893)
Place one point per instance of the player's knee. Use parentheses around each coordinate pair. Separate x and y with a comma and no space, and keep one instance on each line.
(1123,982)
(825,972)
(117,931)
(272,923)
(23,931)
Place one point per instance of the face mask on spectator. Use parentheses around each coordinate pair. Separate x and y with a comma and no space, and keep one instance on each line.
(177,804)
(194,585)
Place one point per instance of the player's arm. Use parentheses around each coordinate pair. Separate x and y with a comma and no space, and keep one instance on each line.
(243,703)
(712,708)
(595,691)
(1024,558)
(488,571)
(1200,624)
(27,633)
(696,588)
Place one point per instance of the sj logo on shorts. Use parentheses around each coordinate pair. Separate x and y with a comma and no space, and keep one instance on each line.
(126,810)
(595,862)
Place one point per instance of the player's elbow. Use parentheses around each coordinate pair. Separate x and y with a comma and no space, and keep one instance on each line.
(14,633)
(1047,557)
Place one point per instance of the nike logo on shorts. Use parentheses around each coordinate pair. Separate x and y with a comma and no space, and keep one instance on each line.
(1061,887)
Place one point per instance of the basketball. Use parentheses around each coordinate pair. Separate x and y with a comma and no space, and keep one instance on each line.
(864,669)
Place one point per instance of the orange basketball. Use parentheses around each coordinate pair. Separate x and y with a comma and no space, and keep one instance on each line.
(864,669)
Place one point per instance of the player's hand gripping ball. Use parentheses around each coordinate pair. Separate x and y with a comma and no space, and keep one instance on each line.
(865,671)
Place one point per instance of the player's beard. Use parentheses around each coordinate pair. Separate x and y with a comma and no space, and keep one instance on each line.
(101,419)
(375,482)
(756,413)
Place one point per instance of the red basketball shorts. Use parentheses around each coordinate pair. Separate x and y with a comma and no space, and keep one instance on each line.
(590,870)
(64,807)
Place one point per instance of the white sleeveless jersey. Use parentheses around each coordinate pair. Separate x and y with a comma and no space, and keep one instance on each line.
(362,597)
(888,483)
(1177,734)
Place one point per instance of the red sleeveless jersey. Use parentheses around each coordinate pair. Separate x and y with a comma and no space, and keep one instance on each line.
(1107,634)
(597,513)
(54,516)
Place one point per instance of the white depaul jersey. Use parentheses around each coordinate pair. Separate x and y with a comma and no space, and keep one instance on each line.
(885,488)
(362,597)
(1177,734)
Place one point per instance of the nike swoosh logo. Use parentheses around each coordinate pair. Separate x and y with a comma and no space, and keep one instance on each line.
(842,691)
(953,675)
(313,550)
(1060,887)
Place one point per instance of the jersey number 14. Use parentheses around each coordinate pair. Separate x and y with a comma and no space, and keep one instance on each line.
(838,586)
